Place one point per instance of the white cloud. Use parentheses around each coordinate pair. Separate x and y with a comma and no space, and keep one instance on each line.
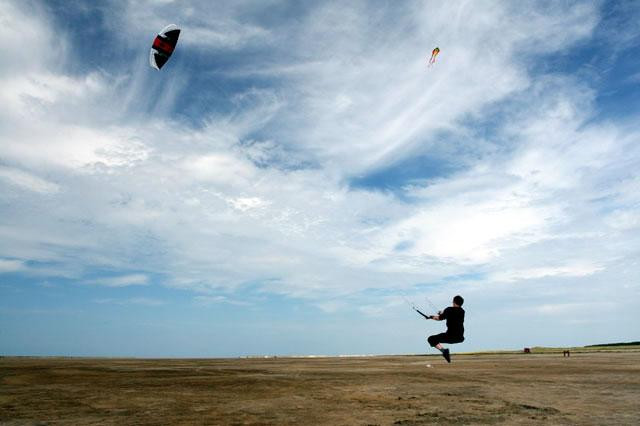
(623,219)
(549,271)
(140,301)
(122,281)
(467,231)
(207,300)
(26,36)
(28,181)
(11,265)
(221,27)
(35,91)
(73,147)
(225,35)
(332,306)
(571,310)
(219,168)
(246,203)
(396,105)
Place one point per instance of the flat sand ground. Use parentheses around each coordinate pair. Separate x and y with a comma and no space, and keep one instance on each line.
(585,389)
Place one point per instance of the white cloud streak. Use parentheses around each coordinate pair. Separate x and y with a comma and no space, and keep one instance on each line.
(11,265)
(122,281)
(28,181)
(139,301)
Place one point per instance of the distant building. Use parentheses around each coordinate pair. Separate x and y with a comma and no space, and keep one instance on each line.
(527,350)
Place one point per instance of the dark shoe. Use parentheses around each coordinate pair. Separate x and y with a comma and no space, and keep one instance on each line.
(445,354)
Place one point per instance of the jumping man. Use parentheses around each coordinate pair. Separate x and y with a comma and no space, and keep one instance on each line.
(455,327)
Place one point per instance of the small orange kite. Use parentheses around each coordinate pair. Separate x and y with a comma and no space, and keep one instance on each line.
(435,52)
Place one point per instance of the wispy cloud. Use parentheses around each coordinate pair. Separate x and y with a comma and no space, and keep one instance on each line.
(121,281)
(634,78)
(550,271)
(11,265)
(28,181)
(207,300)
(141,301)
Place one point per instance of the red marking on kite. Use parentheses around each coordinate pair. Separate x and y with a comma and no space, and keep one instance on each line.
(162,45)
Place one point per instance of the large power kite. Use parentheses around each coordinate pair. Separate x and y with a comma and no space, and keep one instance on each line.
(434,53)
(163,46)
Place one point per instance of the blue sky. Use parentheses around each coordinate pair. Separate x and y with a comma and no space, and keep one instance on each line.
(296,170)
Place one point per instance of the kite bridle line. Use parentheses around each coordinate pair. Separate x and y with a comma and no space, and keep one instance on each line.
(414,308)
(409,303)
(435,309)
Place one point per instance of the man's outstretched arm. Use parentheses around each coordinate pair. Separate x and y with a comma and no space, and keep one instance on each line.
(436,317)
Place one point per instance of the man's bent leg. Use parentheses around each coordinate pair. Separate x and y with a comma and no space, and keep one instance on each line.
(436,339)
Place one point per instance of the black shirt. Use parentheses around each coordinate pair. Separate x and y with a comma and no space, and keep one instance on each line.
(455,320)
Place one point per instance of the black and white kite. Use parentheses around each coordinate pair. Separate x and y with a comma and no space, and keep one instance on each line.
(163,46)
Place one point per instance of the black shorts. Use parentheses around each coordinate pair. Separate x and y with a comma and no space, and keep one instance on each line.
(444,338)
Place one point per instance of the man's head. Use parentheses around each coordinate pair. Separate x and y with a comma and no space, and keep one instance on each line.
(458,300)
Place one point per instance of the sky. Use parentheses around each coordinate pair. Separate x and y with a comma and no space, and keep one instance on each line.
(296,176)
